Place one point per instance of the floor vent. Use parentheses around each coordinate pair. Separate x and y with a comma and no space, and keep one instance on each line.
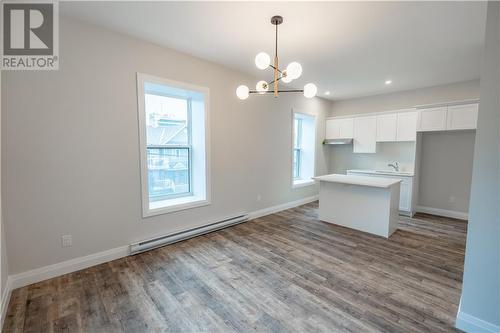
(153,243)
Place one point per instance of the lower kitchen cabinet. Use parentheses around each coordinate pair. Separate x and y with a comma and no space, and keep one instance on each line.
(406,188)
(405,194)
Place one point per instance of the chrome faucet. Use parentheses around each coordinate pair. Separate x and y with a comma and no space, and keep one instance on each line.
(395,166)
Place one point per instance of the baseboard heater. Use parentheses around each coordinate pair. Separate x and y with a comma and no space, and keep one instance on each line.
(153,243)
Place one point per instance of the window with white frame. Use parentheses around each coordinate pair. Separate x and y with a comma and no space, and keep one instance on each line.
(173,140)
(304,147)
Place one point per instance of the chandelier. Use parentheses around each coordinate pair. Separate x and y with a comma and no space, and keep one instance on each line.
(292,72)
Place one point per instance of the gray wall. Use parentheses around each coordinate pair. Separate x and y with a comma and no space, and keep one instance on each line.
(446,170)
(481,289)
(4,261)
(446,158)
(70,153)
(4,271)
(407,99)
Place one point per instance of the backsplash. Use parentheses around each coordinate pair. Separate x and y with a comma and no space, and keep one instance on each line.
(341,158)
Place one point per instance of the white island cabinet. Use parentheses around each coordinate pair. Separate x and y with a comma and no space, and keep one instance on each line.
(368,204)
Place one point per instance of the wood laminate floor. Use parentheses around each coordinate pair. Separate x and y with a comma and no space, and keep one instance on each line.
(286,272)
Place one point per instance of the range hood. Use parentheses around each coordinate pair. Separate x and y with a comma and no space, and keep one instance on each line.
(345,141)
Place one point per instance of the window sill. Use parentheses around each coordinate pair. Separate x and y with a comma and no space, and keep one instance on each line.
(302,183)
(174,205)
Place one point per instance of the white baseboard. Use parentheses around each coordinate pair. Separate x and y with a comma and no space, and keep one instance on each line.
(47,272)
(443,212)
(5,300)
(279,208)
(65,267)
(468,323)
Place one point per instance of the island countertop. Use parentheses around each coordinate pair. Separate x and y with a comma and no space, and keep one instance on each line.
(358,180)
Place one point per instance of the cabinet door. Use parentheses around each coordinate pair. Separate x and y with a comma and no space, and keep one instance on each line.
(386,127)
(407,126)
(462,117)
(346,128)
(339,128)
(405,189)
(405,192)
(332,129)
(405,196)
(433,119)
(365,134)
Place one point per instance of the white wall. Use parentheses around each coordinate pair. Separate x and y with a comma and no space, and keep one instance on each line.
(70,157)
(446,157)
(480,303)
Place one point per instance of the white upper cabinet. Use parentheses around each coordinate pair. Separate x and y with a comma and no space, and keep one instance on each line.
(365,134)
(407,126)
(387,127)
(394,126)
(433,119)
(332,129)
(454,117)
(342,128)
(401,126)
(462,117)
(347,128)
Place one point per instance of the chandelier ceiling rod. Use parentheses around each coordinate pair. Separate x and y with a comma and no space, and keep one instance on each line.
(292,71)
(276,20)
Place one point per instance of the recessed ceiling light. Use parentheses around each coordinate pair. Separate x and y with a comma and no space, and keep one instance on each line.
(327,93)
(387,82)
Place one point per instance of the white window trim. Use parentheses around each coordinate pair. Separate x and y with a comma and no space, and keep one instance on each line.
(299,183)
(184,202)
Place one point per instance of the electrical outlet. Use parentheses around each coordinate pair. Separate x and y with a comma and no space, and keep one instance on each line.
(66,241)
(452,199)
(259,197)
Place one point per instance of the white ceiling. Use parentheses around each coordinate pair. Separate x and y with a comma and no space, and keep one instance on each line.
(348,48)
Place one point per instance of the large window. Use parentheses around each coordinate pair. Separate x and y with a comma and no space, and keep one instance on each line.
(304,146)
(173,138)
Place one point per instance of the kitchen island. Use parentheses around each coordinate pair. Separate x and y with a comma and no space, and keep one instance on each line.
(369,204)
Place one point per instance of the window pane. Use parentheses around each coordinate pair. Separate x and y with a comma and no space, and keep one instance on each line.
(168,172)
(166,120)
(297,142)
(297,124)
(303,148)
(296,163)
